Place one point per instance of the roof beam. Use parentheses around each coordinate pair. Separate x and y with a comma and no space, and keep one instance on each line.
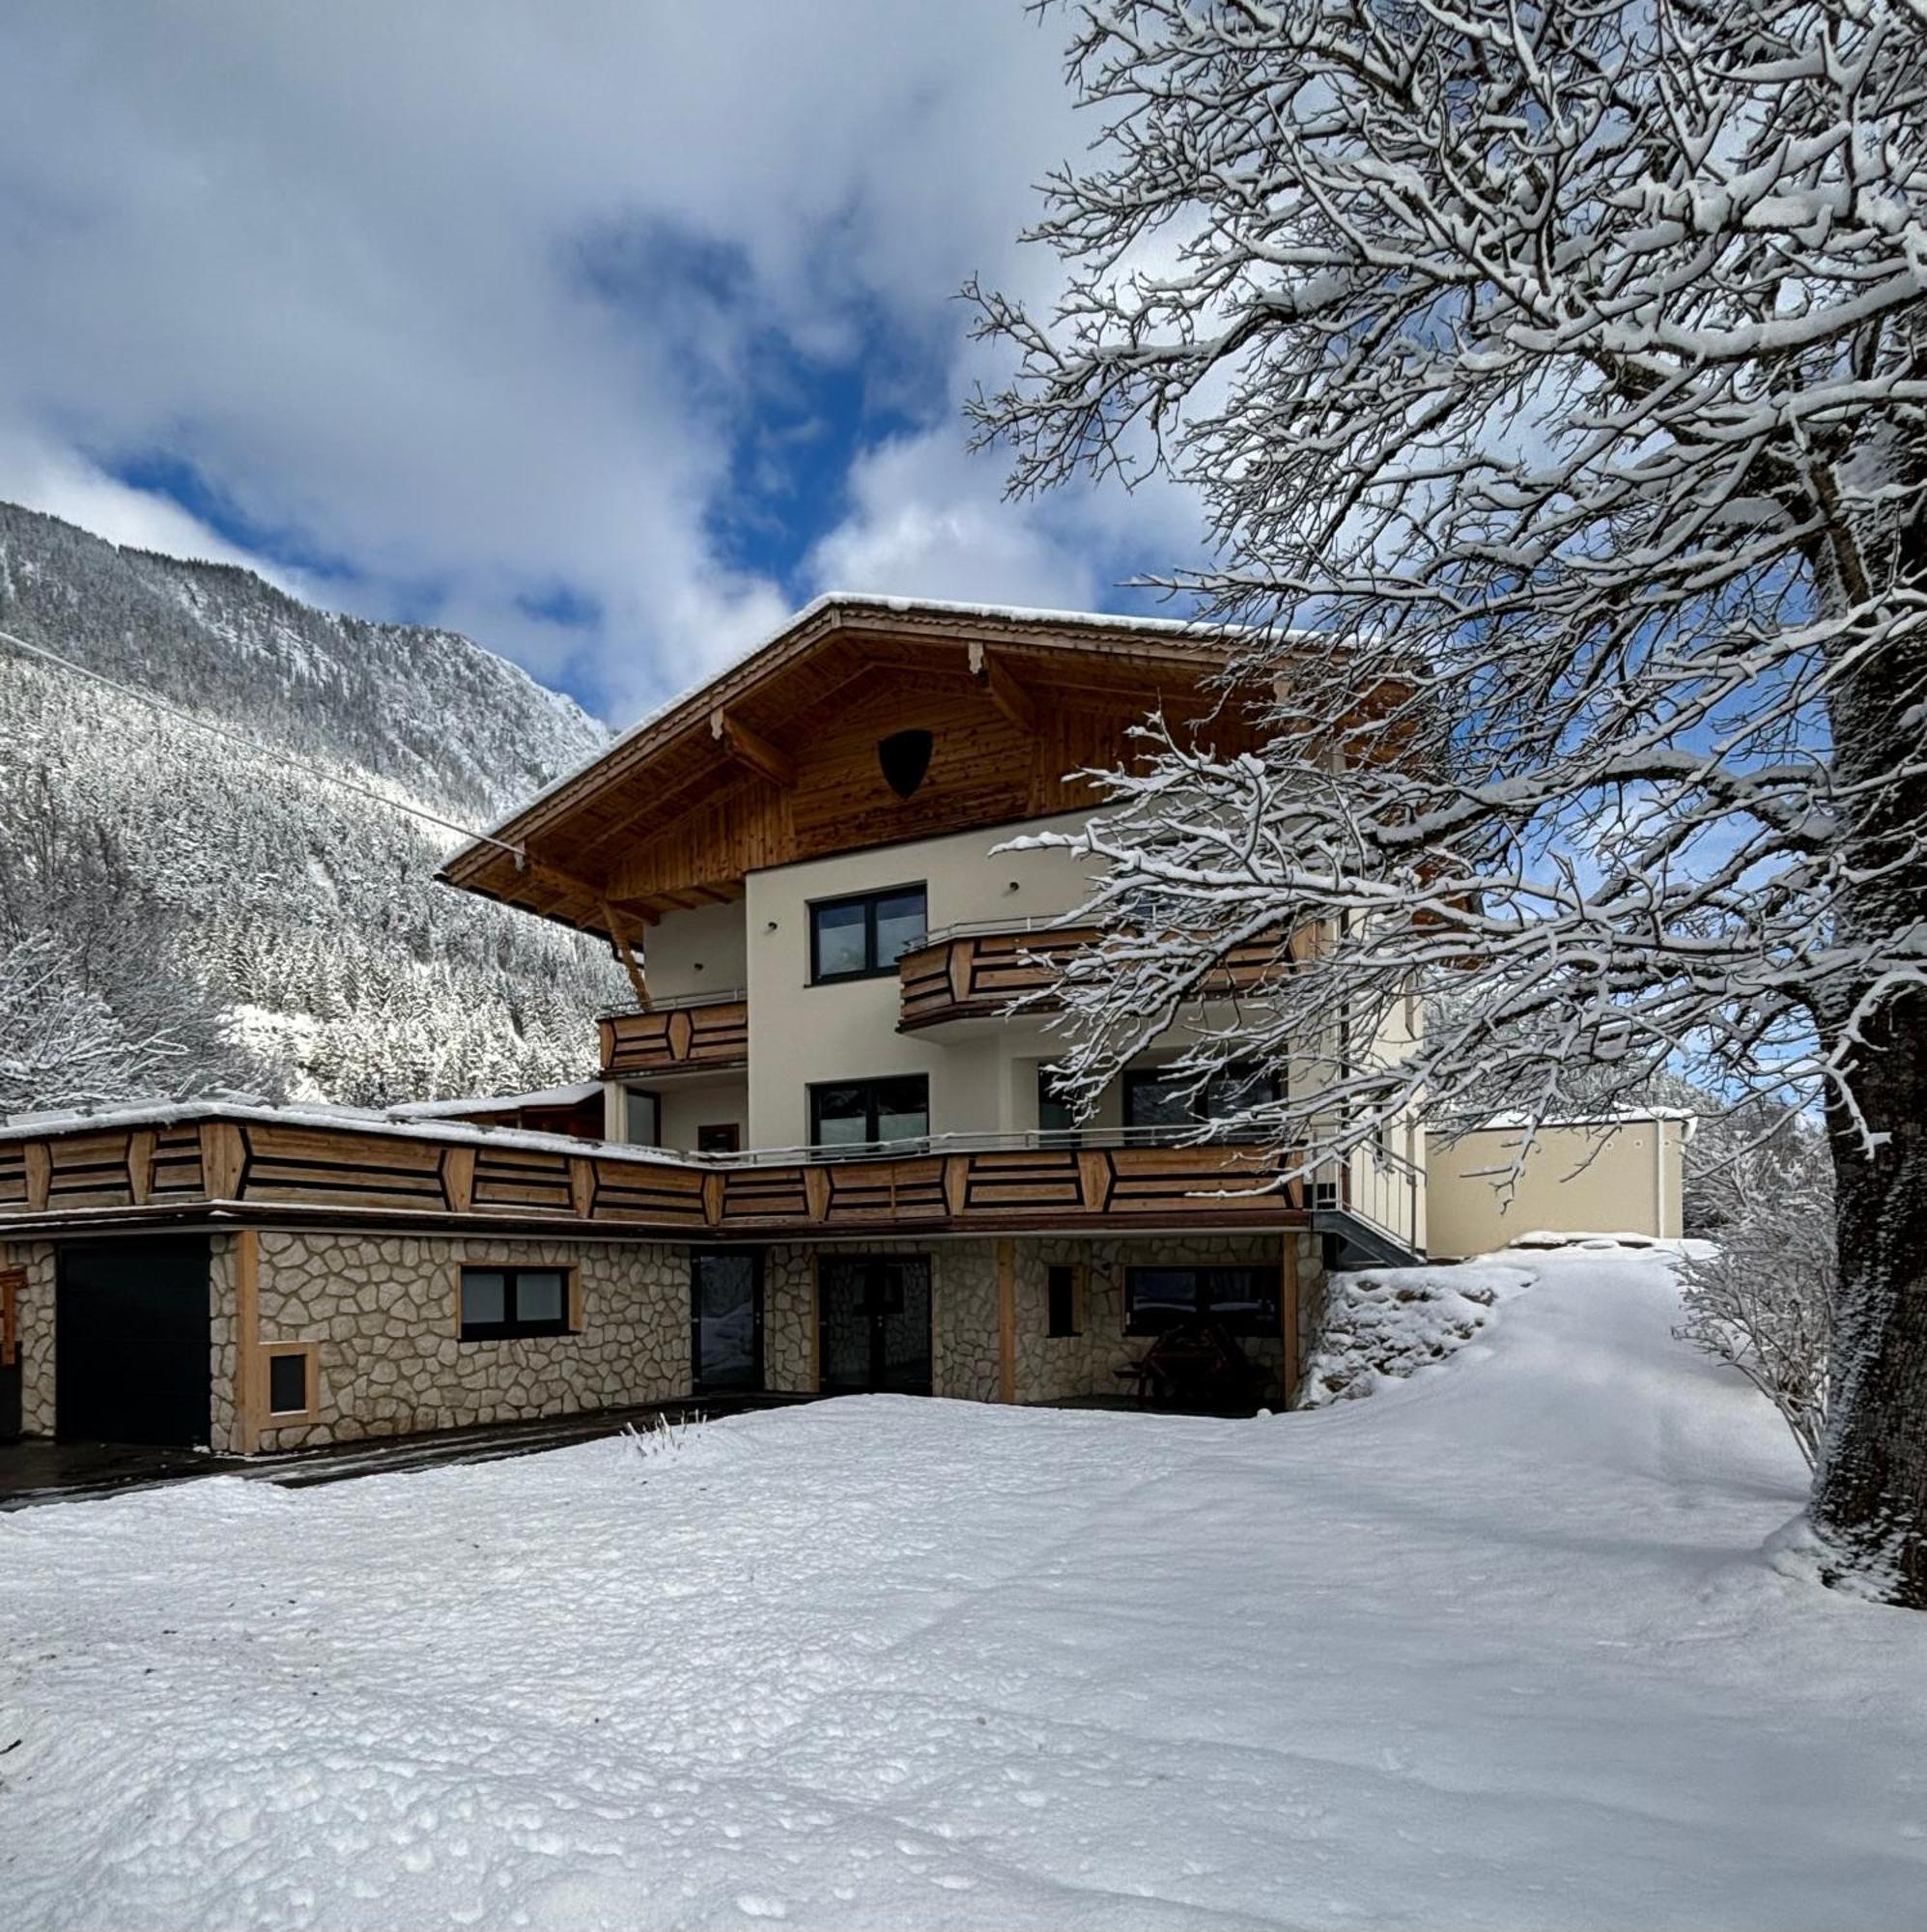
(750,747)
(995,680)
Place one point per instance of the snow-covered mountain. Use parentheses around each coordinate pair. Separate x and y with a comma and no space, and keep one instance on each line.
(177,912)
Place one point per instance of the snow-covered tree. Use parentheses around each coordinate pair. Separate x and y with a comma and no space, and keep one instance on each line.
(1763,1297)
(1556,380)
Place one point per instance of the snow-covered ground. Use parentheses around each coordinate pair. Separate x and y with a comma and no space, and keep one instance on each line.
(1496,1646)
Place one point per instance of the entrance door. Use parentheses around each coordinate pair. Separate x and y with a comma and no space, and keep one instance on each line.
(873,1324)
(131,1342)
(12,1285)
(727,1320)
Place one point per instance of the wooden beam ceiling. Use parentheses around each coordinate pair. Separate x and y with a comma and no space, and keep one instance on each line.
(750,747)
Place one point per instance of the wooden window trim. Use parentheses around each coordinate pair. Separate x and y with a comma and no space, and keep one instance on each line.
(872,968)
(571,1295)
(290,1418)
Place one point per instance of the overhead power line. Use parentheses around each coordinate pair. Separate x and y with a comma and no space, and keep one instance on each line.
(275,752)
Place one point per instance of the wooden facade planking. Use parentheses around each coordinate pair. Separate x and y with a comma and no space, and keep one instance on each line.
(259,1165)
(776,761)
(669,1039)
(978,976)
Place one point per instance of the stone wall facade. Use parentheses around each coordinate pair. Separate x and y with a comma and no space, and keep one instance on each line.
(36,1305)
(384,1309)
(965,1328)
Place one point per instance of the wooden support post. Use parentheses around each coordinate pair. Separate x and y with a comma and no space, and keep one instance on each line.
(458,1178)
(39,1156)
(1007,1320)
(1288,1308)
(140,1166)
(751,749)
(618,933)
(248,1357)
(222,1154)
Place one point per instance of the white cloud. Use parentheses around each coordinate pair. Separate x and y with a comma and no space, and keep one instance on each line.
(345,261)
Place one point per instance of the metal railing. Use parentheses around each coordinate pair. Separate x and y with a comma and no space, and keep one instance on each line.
(723,996)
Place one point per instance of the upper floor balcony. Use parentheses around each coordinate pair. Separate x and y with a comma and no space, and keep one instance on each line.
(970,973)
(700,1033)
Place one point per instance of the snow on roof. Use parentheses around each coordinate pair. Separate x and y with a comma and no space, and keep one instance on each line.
(315,1114)
(498,1103)
(851,600)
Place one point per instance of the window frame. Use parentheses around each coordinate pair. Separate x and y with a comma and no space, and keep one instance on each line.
(869,1084)
(511,1328)
(870,969)
(1268,1321)
(630,1096)
(309,1355)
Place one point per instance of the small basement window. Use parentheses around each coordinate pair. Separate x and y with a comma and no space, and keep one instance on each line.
(501,1302)
(287,1384)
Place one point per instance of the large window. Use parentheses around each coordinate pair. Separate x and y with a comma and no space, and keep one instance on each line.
(854,938)
(1154,1098)
(851,1112)
(1055,1114)
(500,1302)
(641,1117)
(1244,1299)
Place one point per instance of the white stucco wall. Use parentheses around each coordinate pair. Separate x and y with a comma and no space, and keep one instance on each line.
(697,951)
(800,1033)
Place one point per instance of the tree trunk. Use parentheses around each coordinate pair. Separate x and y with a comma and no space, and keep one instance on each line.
(1870,1489)
(1869,1503)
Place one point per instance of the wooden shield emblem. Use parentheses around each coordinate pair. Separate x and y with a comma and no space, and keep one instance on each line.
(905,758)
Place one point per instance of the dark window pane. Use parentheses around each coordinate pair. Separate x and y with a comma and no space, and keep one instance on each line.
(902,1110)
(1054,1115)
(1155,1299)
(842,1116)
(1156,1100)
(1244,1299)
(841,942)
(484,1297)
(287,1384)
(1061,1291)
(900,925)
(539,1295)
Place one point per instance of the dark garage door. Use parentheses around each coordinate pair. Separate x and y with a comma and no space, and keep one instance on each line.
(131,1342)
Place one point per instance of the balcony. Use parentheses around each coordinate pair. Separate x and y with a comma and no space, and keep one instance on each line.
(706,1033)
(316,1165)
(973,973)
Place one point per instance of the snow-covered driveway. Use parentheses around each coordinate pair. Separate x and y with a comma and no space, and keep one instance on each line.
(1498,1647)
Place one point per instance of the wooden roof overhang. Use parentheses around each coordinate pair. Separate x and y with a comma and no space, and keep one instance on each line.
(775,759)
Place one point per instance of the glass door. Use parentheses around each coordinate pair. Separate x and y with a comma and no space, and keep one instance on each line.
(727,1320)
(873,1324)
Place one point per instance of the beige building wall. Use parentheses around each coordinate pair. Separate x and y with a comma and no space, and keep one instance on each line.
(801,1035)
(698,952)
(1622,1178)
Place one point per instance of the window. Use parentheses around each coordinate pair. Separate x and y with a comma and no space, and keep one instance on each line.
(1054,1111)
(853,1112)
(855,938)
(1060,1294)
(641,1117)
(500,1302)
(1244,1299)
(287,1384)
(1156,1097)
(721,1137)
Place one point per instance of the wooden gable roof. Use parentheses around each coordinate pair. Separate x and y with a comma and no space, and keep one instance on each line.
(775,758)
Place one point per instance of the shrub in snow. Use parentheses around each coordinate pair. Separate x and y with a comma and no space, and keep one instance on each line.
(1384,1324)
(1763,1297)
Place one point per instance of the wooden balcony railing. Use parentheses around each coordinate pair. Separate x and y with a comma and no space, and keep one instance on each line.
(976,974)
(676,1036)
(248,1161)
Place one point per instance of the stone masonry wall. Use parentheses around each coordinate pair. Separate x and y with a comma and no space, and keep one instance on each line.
(384,1310)
(36,1305)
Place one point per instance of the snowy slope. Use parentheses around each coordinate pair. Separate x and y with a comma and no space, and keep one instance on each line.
(1499,1647)
(275,931)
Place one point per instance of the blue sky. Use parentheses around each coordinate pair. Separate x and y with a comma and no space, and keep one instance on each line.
(606,332)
